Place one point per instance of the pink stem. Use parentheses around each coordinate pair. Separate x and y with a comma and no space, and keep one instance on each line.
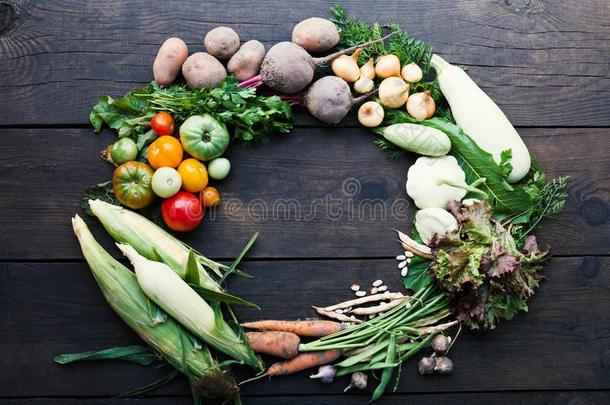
(255,81)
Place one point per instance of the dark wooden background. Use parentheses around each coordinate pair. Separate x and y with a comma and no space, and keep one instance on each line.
(544,62)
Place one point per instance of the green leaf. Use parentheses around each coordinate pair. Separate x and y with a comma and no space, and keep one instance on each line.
(149,387)
(137,354)
(239,257)
(191,273)
(418,277)
(216,296)
(477,165)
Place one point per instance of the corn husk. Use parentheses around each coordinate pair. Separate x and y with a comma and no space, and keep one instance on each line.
(170,292)
(166,336)
(153,242)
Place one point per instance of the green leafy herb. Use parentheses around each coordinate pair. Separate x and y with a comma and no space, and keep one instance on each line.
(101,191)
(252,117)
(485,275)
(392,150)
(549,201)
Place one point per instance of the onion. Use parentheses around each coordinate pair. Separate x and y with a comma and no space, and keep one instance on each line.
(368,70)
(412,73)
(387,66)
(346,66)
(421,106)
(393,92)
(363,85)
(370,114)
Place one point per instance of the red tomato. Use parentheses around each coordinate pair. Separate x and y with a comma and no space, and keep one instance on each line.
(209,197)
(182,212)
(162,123)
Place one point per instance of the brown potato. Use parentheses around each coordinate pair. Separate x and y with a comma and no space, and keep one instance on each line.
(246,62)
(203,70)
(169,60)
(315,34)
(221,42)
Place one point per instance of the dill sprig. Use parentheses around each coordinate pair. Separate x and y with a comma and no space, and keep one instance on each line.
(549,202)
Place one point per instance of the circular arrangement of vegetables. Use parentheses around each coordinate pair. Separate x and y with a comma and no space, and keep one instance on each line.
(471,259)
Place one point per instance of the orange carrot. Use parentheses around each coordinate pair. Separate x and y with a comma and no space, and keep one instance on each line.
(278,344)
(309,328)
(302,362)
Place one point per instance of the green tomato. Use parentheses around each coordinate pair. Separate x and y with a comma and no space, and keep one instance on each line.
(203,137)
(219,168)
(123,151)
(131,184)
(166,182)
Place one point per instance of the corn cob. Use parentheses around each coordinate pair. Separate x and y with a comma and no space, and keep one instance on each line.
(165,288)
(166,336)
(151,241)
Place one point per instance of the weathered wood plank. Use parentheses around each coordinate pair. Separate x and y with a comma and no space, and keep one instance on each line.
(539,61)
(561,344)
(313,193)
(501,398)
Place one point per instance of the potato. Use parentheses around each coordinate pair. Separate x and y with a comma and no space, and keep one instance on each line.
(203,70)
(246,62)
(169,60)
(315,34)
(221,42)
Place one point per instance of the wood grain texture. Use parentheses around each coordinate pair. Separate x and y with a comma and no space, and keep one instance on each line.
(545,63)
(500,398)
(561,344)
(313,193)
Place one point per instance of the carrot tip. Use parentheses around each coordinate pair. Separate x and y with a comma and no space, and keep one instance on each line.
(258,377)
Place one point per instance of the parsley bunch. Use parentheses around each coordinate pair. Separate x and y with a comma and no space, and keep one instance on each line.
(250,116)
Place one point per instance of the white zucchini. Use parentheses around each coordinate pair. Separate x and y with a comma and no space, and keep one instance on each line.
(477,114)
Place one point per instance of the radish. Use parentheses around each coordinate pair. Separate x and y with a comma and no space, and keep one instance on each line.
(288,68)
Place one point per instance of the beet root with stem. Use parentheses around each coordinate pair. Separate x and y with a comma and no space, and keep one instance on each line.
(288,68)
(329,99)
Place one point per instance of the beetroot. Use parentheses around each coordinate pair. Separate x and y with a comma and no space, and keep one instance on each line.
(329,99)
(288,68)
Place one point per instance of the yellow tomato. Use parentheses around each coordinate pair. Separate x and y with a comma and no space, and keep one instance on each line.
(166,151)
(194,175)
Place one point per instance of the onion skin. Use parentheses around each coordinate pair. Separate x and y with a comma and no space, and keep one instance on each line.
(387,66)
(346,66)
(412,73)
(370,114)
(368,70)
(393,92)
(363,85)
(421,106)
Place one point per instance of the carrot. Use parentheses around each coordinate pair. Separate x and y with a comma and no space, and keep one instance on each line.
(308,328)
(302,362)
(278,344)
